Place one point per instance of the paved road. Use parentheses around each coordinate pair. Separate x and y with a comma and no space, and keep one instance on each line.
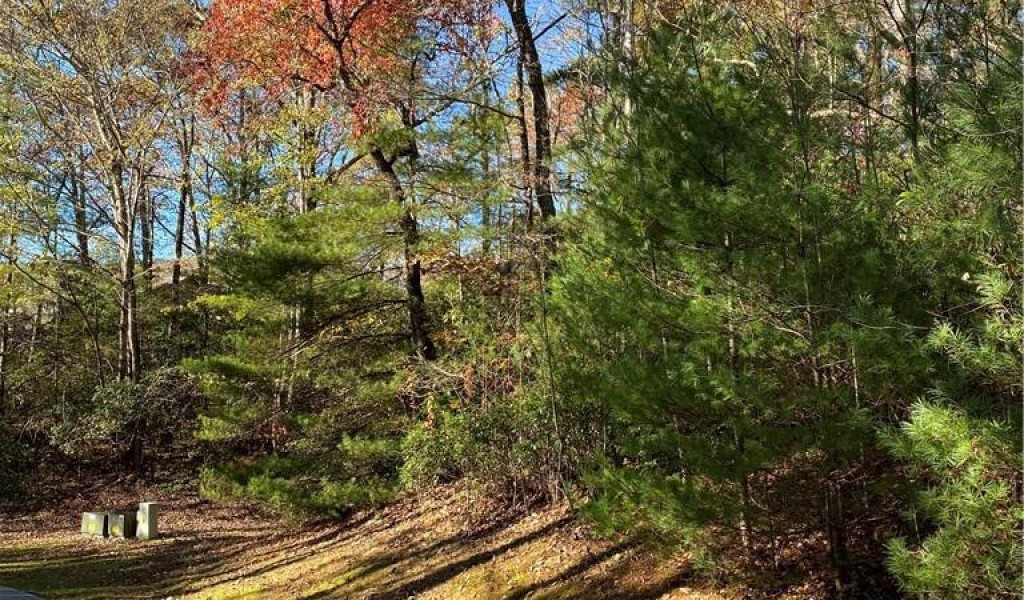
(13,594)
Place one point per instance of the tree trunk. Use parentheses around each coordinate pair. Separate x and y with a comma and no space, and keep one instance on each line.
(184,195)
(147,221)
(423,345)
(531,65)
(485,206)
(197,239)
(914,100)
(137,453)
(185,143)
(128,334)
(836,530)
(739,436)
(5,336)
(179,237)
(130,363)
(128,337)
(307,153)
(524,142)
(5,333)
(81,219)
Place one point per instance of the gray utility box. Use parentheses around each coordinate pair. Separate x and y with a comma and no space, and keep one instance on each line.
(121,524)
(96,523)
(146,520)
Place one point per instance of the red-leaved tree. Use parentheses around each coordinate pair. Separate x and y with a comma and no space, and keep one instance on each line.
(371,56)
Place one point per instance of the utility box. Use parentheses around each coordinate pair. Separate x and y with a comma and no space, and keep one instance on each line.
(146,520)
(121,524)
(95,523)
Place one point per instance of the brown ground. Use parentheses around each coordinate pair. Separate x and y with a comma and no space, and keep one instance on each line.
(441,546)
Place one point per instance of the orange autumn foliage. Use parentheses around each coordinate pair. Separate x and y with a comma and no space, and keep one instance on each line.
(358,49)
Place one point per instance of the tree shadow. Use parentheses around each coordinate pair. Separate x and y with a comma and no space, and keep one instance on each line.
(382,558)
(581,567)
(362,570)
(579,583)
(180,562)
(436,578)
(402,589)
(262,556)
(652,591)
(84,575)
(185,561)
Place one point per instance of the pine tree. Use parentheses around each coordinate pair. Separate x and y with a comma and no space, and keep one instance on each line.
(963,440)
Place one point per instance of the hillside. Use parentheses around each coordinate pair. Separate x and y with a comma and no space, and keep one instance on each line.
(441,546)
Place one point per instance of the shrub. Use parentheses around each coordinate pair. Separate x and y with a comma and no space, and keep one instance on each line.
(508,447)
(974,501)
(358,473)
(121,412)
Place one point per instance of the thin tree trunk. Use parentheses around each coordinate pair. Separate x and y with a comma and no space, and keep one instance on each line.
(81,219)
(914,100)
(184,202)
(298,314)
(5,335)
(836,531)
(185,139)
(423,345)
(130,369)
(147,218)
(197,239)
(131,358)
(530,60)
(524,143)
(179,240)
(485,206)
(128,331)
(739,436)
(307,153)
(910,35)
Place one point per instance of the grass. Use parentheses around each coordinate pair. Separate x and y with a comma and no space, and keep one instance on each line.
(442,547)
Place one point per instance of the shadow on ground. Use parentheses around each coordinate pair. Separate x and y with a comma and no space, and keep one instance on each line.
(418,549)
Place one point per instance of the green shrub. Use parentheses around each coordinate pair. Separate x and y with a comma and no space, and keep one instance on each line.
(340,496)
(358,473)
(121,411)
(508,447)
(974,500)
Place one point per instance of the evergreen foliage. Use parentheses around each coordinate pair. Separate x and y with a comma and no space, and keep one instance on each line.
(972,467)
(304,409)
(964,442)
(704,298)
(307,251)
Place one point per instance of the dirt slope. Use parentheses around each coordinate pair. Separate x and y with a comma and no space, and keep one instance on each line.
(445,546)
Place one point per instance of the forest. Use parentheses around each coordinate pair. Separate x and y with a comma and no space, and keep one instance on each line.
(733,286)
